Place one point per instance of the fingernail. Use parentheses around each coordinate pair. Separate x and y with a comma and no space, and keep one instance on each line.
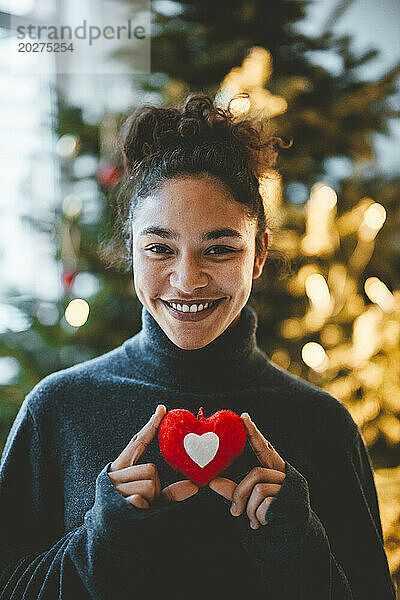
(234,509)
(254,525)
(246,416)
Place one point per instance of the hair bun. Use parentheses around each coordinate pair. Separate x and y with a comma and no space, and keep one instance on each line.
(200,106)
(151,130)
(147,130)
(199,114)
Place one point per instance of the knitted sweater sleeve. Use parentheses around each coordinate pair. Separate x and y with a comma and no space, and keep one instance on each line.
(108,557)
(337,555)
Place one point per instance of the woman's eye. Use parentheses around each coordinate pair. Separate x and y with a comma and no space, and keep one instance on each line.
(158,249)
(215,250)
(221,250)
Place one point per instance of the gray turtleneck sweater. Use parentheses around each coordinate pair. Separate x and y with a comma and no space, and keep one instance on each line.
(67,533)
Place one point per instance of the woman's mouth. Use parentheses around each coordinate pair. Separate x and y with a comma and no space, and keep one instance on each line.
(191,312)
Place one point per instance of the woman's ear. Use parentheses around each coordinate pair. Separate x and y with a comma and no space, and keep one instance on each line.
(259,260)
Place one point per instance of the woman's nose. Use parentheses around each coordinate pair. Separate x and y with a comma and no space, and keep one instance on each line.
(188,275)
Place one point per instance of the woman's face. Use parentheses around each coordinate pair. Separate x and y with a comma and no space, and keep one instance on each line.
(193,244)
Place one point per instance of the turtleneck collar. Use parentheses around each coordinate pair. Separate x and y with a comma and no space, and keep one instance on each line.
(230,361)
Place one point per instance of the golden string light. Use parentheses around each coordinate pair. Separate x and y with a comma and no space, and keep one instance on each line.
(377,292)
(366,337)
(321,235)
(374,218)
(240,104)
(314,356)
(318,292)
(77,312)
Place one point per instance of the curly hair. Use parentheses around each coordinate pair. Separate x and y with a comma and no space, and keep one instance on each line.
(160,143)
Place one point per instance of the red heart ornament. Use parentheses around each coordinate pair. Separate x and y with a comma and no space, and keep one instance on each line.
(201,448)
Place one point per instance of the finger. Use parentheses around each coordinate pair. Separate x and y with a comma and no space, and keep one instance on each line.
(263,449)
(269,477)
(178,491)
(257,496)
(138,444)
(262,510)
(137,473)
(223,486)
(145,488)
(134,473)
(138,501)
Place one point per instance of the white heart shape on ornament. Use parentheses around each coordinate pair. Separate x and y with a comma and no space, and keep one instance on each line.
(201,448)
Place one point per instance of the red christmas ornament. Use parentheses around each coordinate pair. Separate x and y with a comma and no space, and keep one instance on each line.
(67,277)
(108,175)
(201,448)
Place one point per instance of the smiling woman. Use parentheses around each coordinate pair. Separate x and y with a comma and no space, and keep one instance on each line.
(89,507)
(190,271)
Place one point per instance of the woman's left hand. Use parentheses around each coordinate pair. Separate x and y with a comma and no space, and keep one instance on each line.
(258,488)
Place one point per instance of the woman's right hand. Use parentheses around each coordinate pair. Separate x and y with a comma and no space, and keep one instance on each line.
(140,484)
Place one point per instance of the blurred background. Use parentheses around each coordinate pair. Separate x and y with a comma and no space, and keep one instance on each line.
(326,73)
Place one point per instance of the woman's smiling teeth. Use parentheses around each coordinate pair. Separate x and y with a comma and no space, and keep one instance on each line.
(192,307)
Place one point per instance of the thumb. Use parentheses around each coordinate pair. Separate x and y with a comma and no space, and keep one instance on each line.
(178,491)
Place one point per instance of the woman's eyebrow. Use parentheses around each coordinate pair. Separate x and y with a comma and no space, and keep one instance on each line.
(164,233)
(209,235)
(218,233)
